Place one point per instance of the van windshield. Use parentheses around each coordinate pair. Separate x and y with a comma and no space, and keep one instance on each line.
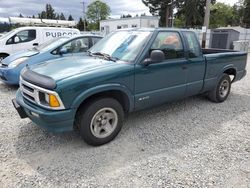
(8,34)
(51,44)
(122,45)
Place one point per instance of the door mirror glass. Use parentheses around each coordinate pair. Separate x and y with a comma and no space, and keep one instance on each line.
(155,57)
(63,51)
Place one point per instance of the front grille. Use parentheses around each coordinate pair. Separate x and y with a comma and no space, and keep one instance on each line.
(28,91)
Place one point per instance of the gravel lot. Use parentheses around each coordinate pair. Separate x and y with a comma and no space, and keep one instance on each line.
(190,143)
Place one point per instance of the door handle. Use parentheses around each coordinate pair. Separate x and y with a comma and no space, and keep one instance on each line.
(35,44)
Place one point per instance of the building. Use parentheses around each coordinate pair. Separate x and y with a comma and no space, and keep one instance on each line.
(110,25)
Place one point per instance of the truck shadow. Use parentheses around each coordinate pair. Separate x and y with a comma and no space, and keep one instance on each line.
(146,133)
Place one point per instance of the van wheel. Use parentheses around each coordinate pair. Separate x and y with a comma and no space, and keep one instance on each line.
(2,56)
(100,121)
(222,90)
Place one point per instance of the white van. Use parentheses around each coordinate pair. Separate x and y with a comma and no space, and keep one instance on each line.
(26,37)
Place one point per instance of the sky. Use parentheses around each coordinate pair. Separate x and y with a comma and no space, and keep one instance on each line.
(10,8)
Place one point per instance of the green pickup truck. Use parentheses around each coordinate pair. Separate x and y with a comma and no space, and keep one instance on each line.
(128,70)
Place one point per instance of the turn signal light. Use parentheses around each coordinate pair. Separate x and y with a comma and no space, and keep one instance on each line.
(53,101)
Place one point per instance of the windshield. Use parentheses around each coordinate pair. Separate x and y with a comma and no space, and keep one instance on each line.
(122,45)
(51,44)
(8,34)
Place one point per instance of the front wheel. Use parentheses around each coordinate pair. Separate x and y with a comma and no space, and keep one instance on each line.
(222,90)
(100,121)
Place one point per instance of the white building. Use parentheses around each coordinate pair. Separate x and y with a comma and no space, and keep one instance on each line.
(110,25)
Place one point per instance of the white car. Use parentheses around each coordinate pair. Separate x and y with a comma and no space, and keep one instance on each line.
(27,37)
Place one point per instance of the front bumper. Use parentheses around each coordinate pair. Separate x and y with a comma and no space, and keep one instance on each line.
(9,76)
(53,121)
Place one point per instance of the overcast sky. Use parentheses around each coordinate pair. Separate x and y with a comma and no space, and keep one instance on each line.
(10,8)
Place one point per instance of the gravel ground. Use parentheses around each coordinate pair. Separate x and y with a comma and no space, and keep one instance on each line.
(190,143)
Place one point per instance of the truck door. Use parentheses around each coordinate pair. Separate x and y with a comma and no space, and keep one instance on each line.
(163,81)
(22,40)
(196,64)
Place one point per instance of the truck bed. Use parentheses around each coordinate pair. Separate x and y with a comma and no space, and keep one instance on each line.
(219,60)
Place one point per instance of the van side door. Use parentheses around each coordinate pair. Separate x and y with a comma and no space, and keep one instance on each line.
(22,40)
(196,66)
(162,81)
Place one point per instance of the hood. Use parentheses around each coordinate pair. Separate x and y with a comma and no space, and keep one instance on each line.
(70,66)
(23,53)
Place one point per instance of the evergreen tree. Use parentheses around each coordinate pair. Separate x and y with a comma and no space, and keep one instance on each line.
(246,14)
(80,25)
(62,17)
(70,18)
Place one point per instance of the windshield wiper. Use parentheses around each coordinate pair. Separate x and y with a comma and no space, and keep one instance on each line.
(106,56)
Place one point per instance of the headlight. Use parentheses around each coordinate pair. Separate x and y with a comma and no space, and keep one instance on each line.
(50,100)
(17,62)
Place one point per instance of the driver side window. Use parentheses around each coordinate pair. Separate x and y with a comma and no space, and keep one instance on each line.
(77,46)
(22,36)
(170,43)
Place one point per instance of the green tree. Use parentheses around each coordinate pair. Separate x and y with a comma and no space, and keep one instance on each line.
(246,13)
(97,11)
(161,8)
(20,15)
(221,15)
(62,17)
(193,12)
(70,18)
(80,25)
(49,13)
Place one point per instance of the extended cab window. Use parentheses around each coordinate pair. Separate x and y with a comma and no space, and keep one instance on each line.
(22,36)
(193,44)
(170,43)
(77,45)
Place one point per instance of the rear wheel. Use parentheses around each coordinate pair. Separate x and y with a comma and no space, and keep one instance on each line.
(222,90)
(100,121)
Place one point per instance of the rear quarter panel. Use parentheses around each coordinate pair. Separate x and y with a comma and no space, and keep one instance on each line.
(220,62)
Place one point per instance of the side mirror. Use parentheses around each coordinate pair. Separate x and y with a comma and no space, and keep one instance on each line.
(155,57)
(16,39)
(63,51)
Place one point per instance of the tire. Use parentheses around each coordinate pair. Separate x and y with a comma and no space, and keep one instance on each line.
(100,121)
(2,56)
(222,89)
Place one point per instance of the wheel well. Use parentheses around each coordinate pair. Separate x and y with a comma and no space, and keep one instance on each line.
(120,96)
(5,54)
(231,72)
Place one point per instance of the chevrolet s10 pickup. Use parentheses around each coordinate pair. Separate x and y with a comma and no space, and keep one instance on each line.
(128,70)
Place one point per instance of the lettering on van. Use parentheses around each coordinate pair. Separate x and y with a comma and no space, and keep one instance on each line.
(60,34)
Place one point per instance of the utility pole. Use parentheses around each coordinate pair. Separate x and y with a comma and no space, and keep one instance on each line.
(206,22)
(84,15)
